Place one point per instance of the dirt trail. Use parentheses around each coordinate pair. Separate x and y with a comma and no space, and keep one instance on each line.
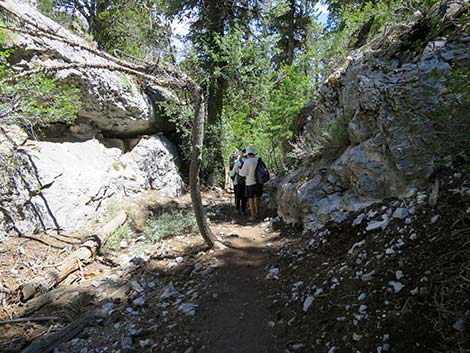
(227,288)
(237,319)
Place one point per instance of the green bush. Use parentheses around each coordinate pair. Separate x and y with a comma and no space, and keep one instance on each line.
(174,222)
(124,232)
(35,101)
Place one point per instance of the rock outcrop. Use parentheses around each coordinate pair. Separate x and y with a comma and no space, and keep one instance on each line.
(62,186)
(379,123)
(115,148)
(113,103)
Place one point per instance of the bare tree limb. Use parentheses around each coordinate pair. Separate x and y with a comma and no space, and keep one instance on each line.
(29,319)
(172,77)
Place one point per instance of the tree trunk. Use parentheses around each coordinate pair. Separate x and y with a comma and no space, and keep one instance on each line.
(171,78)
(196,160)
(72,263)
(290,34)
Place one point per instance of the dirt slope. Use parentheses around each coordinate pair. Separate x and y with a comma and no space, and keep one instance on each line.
(346,288)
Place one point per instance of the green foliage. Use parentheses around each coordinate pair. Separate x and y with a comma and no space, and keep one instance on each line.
(132,27)
(35,101)
(38,101)
(169,223)
(450,121)
(366,19)
(124,232)
(325,143)
(135,28)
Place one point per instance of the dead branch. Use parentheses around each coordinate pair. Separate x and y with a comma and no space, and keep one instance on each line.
(73,262)
(47,344)
(29,319)
(434,194)
(172,77)
(111,67)
(40,301)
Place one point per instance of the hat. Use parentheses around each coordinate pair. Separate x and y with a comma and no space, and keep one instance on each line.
(250,150)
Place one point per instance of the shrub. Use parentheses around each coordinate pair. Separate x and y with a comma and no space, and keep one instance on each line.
(124,232)
(169,223)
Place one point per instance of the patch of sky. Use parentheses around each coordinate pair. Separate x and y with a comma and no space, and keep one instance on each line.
(181,26)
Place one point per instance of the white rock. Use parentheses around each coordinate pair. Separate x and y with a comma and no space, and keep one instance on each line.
(356,246)
(139,301)
(188,309)
(362,307)
(401,213)
(113,278)
(378,224)
(298,346)
(414,291)
(136,286)
(399,275)
(271,324)
(332,349)
(356,337)
(362,297)
(126,343)
(145,343)
(359,219)
(459,325)
(169,291)
(368,276)
(308,302)
(435,219)
(123,244)
(273,274)
(179,259)
(397,286)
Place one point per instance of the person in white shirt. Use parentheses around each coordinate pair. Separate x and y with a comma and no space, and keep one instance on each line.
(239,184)
(253,191)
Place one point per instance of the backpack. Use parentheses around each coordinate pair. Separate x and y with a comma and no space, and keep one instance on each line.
(232,159)
(241,180)
(261,172)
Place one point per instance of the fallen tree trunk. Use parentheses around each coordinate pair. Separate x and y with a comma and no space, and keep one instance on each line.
(72,263)
(47,344)
(171,77)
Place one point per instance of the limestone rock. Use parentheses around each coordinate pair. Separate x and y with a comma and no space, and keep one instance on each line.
(379,130)
(111,101)
(63,186)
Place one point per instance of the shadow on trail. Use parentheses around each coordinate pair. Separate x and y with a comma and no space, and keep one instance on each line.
(146,306)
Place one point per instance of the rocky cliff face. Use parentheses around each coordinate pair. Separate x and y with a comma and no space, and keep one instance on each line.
(75,173)
(62,186)
(113,103)
(379,123)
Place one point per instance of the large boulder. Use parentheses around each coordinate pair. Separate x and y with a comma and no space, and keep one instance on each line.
(113,103)
(62,186)
(379,123)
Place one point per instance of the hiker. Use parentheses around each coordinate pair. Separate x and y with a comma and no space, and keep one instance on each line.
(239,184)
(253,190)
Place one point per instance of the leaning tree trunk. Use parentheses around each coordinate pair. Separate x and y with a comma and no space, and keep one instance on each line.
(171,77)
(196,160)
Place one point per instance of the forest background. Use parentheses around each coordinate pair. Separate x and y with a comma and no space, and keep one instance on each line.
(259,62)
